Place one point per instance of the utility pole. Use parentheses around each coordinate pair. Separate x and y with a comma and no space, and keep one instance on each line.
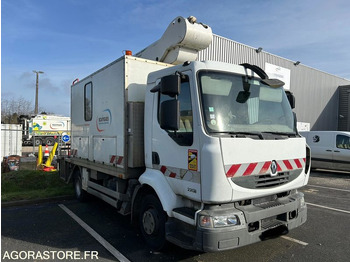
(37,91)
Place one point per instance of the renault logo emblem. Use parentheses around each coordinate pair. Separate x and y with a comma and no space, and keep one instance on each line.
(273,168)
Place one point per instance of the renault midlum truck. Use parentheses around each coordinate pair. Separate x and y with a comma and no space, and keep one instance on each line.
(202,154)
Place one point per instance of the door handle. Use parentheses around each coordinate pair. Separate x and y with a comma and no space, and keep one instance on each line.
(336,151)
(328,150)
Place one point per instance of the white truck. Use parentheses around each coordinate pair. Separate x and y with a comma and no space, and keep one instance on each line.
(205,155)
(42,129)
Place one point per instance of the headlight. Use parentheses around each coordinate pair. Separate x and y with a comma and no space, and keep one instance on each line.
(224,221)
(218,221)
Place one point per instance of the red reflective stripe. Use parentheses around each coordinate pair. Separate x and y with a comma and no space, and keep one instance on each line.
(112,159)
(163,169)
(297,162)
(233,170)
(120,159)
(304,160)
(172,175)
(265,167)
(250,169)
(288,165)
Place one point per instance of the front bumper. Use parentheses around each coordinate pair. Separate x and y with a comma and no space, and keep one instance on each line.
(258,221)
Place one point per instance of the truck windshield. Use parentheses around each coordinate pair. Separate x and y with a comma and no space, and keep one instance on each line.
(237,104)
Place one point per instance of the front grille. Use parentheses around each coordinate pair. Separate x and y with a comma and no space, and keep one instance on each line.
(266,180)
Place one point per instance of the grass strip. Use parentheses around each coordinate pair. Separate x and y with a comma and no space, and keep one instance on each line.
(32,184)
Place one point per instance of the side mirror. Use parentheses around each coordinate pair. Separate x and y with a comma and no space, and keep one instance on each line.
(170,115)
(291,99)
(169,85)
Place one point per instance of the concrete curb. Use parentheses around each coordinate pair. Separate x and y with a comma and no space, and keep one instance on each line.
(36,201)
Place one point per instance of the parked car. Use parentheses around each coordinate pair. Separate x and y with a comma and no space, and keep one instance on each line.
(329,149)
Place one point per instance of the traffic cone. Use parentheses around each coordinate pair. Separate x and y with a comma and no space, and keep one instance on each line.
(47,152)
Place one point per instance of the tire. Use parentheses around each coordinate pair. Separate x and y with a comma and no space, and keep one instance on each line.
(38,141)
(80,193)
(49,141)
(152,220)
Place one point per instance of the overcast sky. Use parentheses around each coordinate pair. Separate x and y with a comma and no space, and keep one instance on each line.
(69,39)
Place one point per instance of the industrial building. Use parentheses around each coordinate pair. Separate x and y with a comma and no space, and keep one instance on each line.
(322,99)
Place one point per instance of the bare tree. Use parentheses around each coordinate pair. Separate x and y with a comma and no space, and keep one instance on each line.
(12,108)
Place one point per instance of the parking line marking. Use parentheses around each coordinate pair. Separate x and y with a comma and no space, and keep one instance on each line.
(295,240)
(95,235)
(338,189)
(330,208)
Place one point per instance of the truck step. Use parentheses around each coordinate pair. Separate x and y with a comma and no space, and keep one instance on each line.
(185,214)
(186,211)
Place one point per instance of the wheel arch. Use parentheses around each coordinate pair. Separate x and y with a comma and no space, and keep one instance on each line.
(154,182)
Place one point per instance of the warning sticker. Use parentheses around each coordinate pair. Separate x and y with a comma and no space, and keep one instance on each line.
(193,159)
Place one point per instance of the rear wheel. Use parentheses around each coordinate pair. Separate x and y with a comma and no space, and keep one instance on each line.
(49,141)
(152,220)
(38,141)
(80,193)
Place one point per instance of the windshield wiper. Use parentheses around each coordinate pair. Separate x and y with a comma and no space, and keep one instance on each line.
(281,134)
(246,134)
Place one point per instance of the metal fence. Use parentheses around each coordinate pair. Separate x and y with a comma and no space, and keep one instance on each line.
(17,156)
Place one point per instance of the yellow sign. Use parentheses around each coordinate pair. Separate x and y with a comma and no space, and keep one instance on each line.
(193,159)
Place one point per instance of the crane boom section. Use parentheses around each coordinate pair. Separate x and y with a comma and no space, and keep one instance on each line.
(181,42)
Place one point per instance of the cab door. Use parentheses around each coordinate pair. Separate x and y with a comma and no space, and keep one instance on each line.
(176,152)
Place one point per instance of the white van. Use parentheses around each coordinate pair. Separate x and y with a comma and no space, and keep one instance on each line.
(329,149)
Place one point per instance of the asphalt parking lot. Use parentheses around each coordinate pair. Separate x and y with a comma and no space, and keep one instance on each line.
(91,230)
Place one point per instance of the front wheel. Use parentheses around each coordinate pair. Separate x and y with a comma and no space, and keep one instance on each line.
(152,222)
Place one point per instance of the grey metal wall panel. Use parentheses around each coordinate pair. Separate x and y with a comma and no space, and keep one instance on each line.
(315,91)
(344,108)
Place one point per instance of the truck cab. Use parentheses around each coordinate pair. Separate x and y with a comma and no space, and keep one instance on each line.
(217,135)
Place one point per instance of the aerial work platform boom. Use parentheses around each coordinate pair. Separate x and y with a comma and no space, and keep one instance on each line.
(181,42)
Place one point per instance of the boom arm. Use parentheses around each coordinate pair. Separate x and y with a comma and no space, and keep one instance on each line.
(181,42)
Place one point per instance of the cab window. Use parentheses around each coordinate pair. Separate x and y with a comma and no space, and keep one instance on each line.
(183,136)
